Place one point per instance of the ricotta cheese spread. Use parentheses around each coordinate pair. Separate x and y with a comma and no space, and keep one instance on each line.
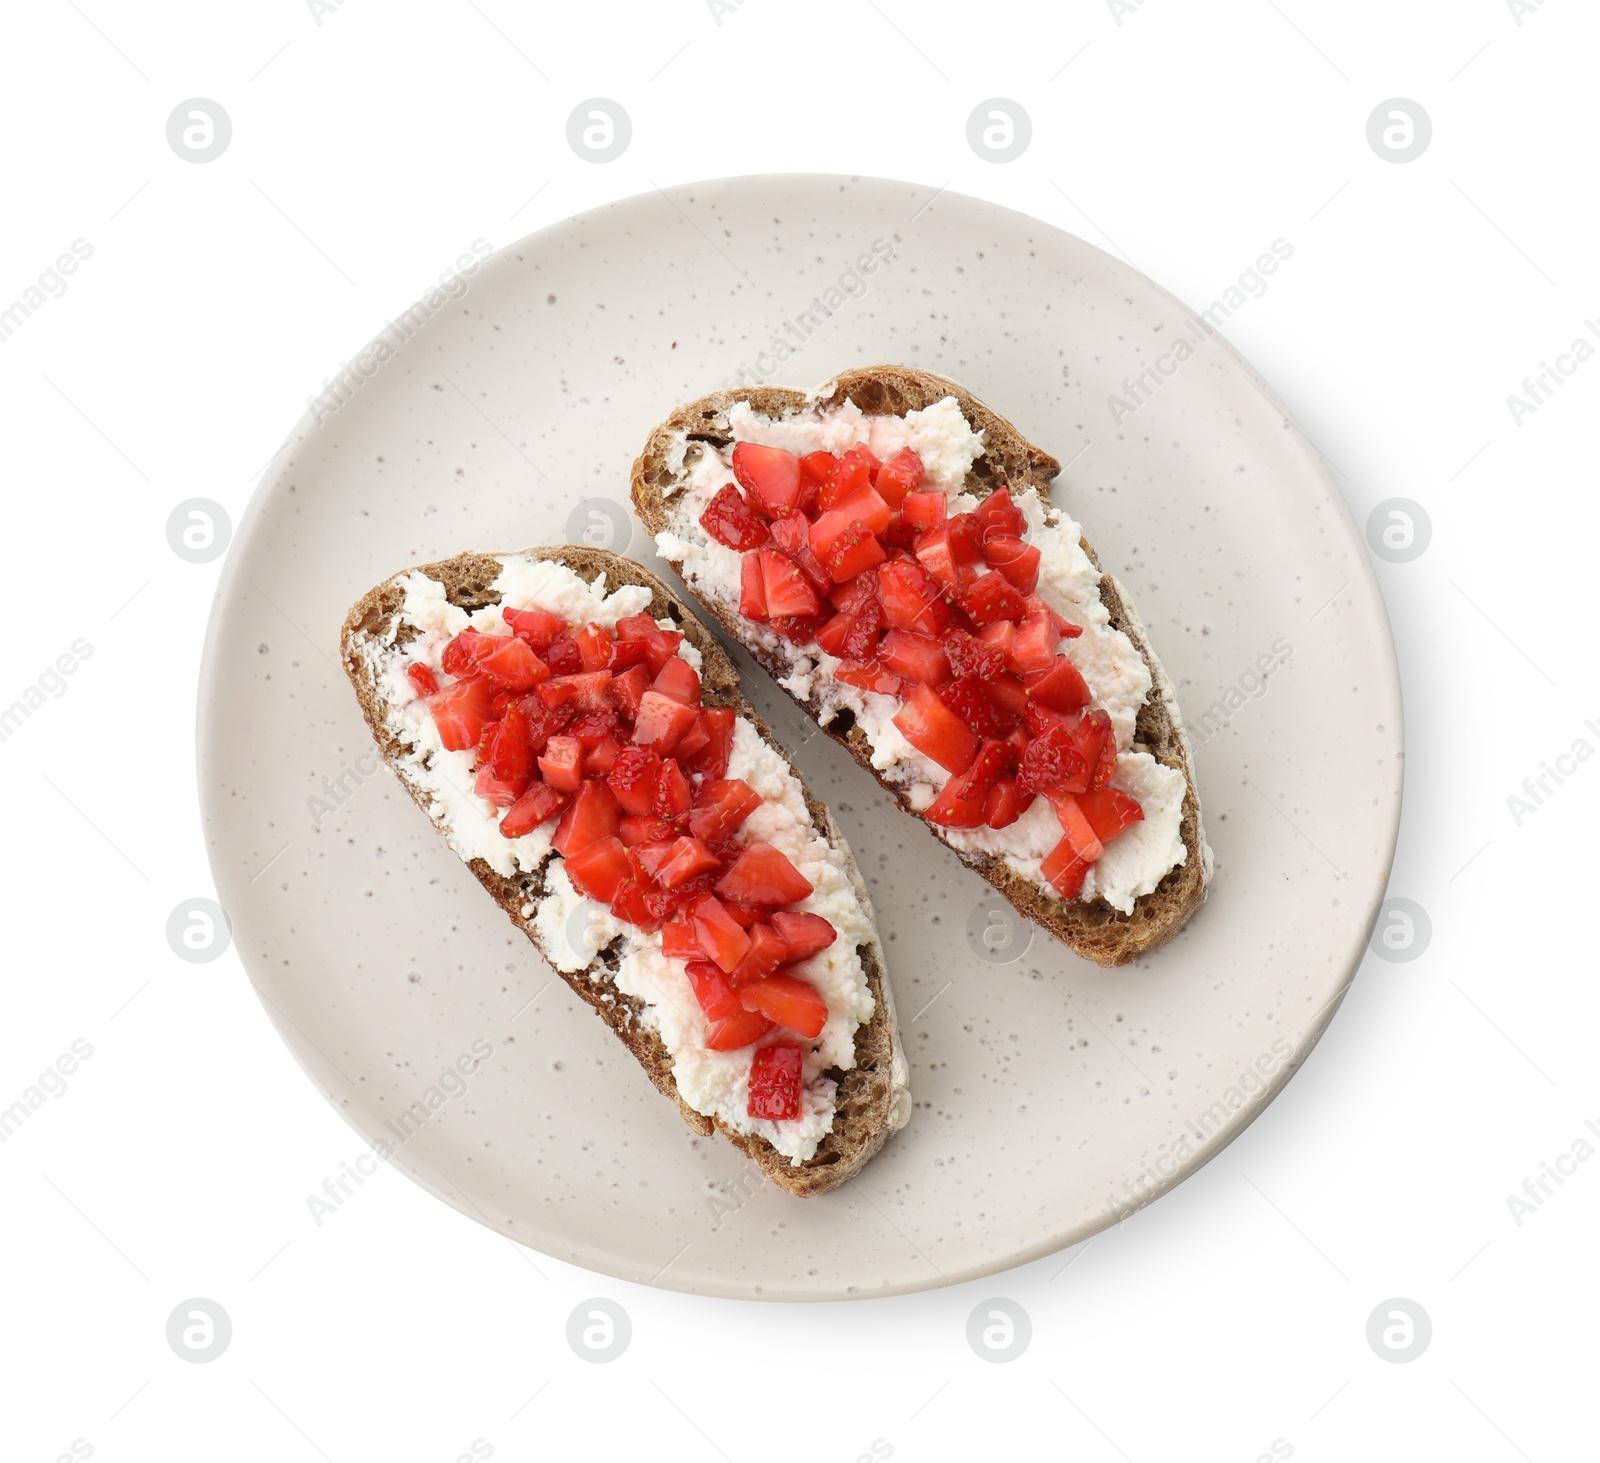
(713,1083)
(1135,861)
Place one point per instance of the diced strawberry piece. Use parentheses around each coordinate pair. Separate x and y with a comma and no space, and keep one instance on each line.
(1097,745)
(869,675)
(936,731)
(674,797)
(737,1031)
(562,656)
(731,521)
(593,727)
(1066,864)
(635,829)
(969,698)
(766,953)
(923,511)
(997,514)
(777,1082)
(899,477)
(852,473)
(849,596)
(422,680)
(746,916)
(594,647)
(916,657)
(540,803)
(624,655)
(796,629)
(844,547)
(787,591)
(460,657)
(1064,627)
(1034,646)
(1009,694)
(659,648)
(1060,688)
(720,936)
(543,722)
(720,808)
(763,874)
(912,599)
(599,759)
(686,859)
(961,802)
(1017,560)
(586,691)
(993,598)
(816,468)
(712,759)
(594,815)
(1053,763)
(788,1000)
(649,857)
(694,741)
(561,763)
(1039,719)
(597,870)
(712,987)
(627,688)
(861,638)
(633,780)
(899,535)
(1001,635)
(661,722)
(966,538)
(535,626)
(679,680)
(832,635)
(633,904)
(460,711)
(804,934)
(1005,803)
(752,589)
(636,627)
(508,767)
(1109,812)
(933,552)
(770,477)
(970,656)
(678,941)
(791,536)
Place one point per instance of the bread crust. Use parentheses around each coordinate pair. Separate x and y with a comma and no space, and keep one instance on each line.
(865,1099)
(1094,930)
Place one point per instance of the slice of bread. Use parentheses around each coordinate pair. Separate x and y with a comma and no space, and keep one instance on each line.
(871,1098)
(1092,928)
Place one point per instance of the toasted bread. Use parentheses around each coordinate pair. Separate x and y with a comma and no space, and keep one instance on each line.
(870,1100)
(1092,928)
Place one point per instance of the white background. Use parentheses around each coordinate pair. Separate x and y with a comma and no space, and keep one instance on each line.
(368,151)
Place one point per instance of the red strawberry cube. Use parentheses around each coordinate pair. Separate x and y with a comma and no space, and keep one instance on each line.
(594,815)
(763,874)
(1060,688)
(899,477)
(540,803)
(992,598)
(777,1083)
(766,953)
(1017,560)
(752,589)
(534,626)
(711,760)
(661,723)
(627,688)
(721,938)
(561,763)
(787,1000)
(916,657)
(997,514)
(785,588)
(686,859)
(720,807)
(1109,812)
(770,477)
(804,934)
(678,941)
(936,731)
(1033,648)
(679,680)
(598,870)
(460,712)
(731,521)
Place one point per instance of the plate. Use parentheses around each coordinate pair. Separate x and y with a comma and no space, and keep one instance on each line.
(1052,1097)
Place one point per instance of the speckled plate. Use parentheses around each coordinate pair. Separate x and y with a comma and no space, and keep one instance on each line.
(1051,1096)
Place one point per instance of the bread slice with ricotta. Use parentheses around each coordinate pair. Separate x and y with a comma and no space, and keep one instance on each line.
(1151,878)
(858,1093)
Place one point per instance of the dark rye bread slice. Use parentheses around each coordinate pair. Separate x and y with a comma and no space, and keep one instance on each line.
(1094,930)
(864,1103)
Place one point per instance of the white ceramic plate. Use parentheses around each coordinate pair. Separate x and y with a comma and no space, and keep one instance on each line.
(1051,1096)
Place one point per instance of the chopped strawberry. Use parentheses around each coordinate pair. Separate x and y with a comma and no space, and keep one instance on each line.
(1001,635)
(1064,627)
(815,469)
(459,713)
(534,626)
(1039,719)
(712,759)
(777,1081)
(678,941)
(861,638)
(720,936)
(844,547)
(869,675)
(852,473)
(673,797)
(562,656)
(422,680)
(720,807)
(997,514)
(738,1030)
(635,829)
(1017,560)
(633,903)
(1060,688)
(661,722)
(832,635)
(543,722)
(460,657)
(898,477)
(625,654)
(849,596)
(1097,745)
(786,589)
(766,953)
(649,857)
(993,598)
(1054,763)
(1033,648)
(694,741)
(508,768)
(594,647)
(899,534)
(636,627)
(966,538)
(540,803)
(586,690)
(933,552)
(599,759)
(712,987)
(1109,812)
(627,688)
(686,859)
(789,1000)
(796,629)
(679,680)
(804,934)
(912,599)
(593,815)
(936,731)
(916,657)
(633,780)
(752,589)
(763,874)
(597,870)
(791,536)
(770,477)
(1005,803)
(1065,866)
(1008,693)
(731,521)
(961,802)
(561,763)
(969,698)
(593,727)
(923,511)
(970,656)
(746,916)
